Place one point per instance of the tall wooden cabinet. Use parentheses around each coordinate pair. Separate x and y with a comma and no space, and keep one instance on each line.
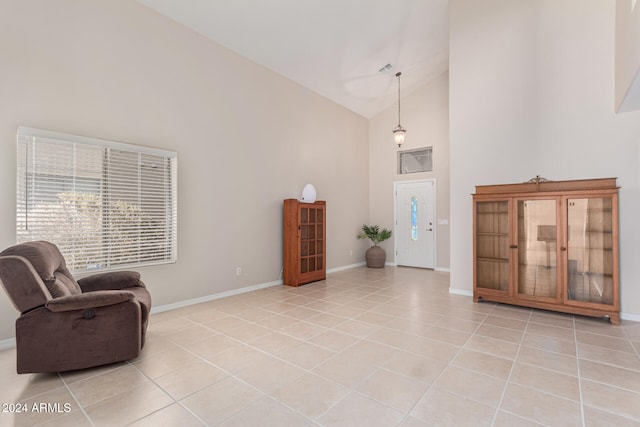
(548,244)
(304,242)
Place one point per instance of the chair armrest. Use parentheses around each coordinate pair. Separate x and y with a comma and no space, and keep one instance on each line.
(111,280)
(88,300)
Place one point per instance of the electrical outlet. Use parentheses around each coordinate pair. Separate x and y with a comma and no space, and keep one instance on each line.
(238,271)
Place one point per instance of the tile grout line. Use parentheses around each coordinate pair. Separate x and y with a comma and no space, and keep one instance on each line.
(626,333)
(449,363)
(76,399)
(393,300)
(233,375)
(350,389)
(362,338)
(582,404)
(353,389)
(116,368)
(513,366)
(575,337)
(165,392)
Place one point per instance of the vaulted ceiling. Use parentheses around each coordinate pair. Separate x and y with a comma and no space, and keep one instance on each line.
(333,47)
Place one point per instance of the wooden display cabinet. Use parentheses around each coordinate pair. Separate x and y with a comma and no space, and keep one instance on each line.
(304,248)
(548,244)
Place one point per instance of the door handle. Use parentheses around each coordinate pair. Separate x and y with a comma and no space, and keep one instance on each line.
(429,229)
(513,246)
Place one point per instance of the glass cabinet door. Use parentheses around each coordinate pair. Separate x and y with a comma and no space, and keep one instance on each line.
(311,239)
(492,245)
(537,248)
(590,263)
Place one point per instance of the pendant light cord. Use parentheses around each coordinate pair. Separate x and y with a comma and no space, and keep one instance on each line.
(398,76)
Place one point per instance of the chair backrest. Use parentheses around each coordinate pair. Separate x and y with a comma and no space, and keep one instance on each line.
(22,283)
(49,264)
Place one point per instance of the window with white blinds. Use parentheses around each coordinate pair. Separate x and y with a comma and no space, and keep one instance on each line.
(105,204)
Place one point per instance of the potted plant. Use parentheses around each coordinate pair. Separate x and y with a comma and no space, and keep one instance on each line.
(375,255)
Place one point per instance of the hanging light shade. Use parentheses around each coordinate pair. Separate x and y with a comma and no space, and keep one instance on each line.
(399,131)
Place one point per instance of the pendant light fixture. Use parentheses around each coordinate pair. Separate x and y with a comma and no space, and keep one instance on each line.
(399,131)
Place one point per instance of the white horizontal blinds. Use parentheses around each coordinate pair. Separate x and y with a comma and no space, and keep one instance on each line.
(106,205)
(58,198)
(139,209)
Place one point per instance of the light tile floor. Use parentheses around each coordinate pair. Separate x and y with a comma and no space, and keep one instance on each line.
(366,347)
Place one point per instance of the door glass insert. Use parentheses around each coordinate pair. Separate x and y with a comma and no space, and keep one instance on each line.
(537,248)
(492,245)
(414,218)
(590,250)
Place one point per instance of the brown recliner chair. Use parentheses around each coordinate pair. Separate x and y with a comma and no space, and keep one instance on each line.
(66,324)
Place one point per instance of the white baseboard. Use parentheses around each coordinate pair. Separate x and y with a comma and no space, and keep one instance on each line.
(215,296)
(441,269)
(7,344)
(11,342)
(345,267)
(461,292)
(239,291)
(632,317)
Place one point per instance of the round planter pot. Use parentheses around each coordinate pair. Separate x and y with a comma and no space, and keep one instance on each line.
(375,257)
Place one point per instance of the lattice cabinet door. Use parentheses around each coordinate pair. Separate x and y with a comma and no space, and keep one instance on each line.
(304,242)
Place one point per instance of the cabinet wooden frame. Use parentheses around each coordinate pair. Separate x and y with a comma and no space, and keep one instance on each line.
(502,268)
(304,242)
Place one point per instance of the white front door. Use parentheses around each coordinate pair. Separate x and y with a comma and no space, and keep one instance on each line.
(415,224)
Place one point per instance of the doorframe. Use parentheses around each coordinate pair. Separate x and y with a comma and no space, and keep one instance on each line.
(435,218)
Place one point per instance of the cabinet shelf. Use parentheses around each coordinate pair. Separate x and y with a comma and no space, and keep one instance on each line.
(492,259)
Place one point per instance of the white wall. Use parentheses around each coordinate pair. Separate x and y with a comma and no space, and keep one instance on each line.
(425,115)
(532,93)
(627,56)
(246,138)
